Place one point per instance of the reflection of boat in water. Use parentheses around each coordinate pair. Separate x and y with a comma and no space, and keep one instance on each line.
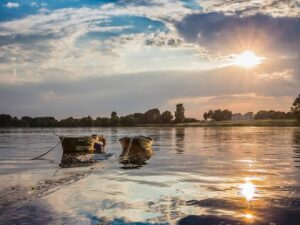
(76,149)
(136,150)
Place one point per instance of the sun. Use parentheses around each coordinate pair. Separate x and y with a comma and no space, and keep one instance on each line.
(247,59)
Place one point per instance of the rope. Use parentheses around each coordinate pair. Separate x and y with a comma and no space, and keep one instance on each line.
(46,152)
(128,149)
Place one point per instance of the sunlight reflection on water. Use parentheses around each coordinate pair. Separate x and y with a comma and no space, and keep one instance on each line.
(197,176)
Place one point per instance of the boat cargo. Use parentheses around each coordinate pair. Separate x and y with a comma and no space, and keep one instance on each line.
(76,148)
(136,150)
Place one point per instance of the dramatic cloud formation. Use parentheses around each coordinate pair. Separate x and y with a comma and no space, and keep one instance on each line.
(228,33)
(12,5)
(91,58)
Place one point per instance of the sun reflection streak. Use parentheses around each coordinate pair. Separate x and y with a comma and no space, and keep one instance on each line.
(248,217)
(248,189)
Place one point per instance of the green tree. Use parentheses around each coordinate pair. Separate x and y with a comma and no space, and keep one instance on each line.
(167,117)
(179,113)
(295,109)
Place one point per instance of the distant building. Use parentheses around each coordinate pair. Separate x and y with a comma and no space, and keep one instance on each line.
(239,116)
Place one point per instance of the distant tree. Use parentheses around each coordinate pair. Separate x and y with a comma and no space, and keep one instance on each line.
(190,120)
(218,115)
(114,119)
(86,122)
(139,118)
(295,109)
(179,113)
(249,116)
(5,120)
(128,120)
(166,117)
(273,115)
(152,116)
(205,116)
(102,122)
(46,121)
(26,121)
(68,122)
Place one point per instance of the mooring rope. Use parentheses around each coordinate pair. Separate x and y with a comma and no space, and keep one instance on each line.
(47,151)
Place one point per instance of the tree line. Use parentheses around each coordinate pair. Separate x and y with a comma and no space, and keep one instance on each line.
(152,116)
(223,115)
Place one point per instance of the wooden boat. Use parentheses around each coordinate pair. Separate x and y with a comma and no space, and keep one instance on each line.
(136,150)
(75,148)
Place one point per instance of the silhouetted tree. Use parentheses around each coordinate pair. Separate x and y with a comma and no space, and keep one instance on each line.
(68,122)
(218,115)
(179,113)
(139,118)
(272,115)
(166,117)
(205,116)
(152,116)
(102,122)
(190,120)
(114,119)
(46,121)
(295,109)
(128,120)
(5,120)
(86,122)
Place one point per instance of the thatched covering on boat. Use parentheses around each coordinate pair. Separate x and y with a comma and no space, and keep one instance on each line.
(136,150)
(75,148)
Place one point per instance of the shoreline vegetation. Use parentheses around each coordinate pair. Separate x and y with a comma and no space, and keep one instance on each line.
(154,118)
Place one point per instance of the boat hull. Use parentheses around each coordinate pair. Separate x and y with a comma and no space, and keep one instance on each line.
(136,150)
(74,148)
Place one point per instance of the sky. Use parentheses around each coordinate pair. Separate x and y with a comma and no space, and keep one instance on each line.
(91,57)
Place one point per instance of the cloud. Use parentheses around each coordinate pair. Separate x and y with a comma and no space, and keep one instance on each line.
(226,34)
(84,41)
(228,87)
(12,5)
(276,8)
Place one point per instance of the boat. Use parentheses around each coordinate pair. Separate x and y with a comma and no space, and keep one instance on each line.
(78,149)
(136,150)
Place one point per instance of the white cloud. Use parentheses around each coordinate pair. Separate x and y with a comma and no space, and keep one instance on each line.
(246,7)
(12,5)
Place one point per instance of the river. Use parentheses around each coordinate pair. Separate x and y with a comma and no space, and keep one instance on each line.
(239,175)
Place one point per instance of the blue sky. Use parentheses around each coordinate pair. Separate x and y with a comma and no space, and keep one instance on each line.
(77,58)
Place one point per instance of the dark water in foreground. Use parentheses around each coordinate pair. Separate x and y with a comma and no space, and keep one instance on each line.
(197,176)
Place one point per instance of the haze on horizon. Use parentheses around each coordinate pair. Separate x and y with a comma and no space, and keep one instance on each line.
(78,57)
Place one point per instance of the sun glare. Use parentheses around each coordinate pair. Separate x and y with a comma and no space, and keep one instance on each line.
(247,59)
(248,189)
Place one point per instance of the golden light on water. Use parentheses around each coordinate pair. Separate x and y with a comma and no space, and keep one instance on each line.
(248,189)
(247,59)
(248,216)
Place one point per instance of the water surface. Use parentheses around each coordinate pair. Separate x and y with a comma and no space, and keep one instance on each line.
(245,175)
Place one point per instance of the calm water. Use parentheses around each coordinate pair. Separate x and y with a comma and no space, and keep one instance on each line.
(197,176)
